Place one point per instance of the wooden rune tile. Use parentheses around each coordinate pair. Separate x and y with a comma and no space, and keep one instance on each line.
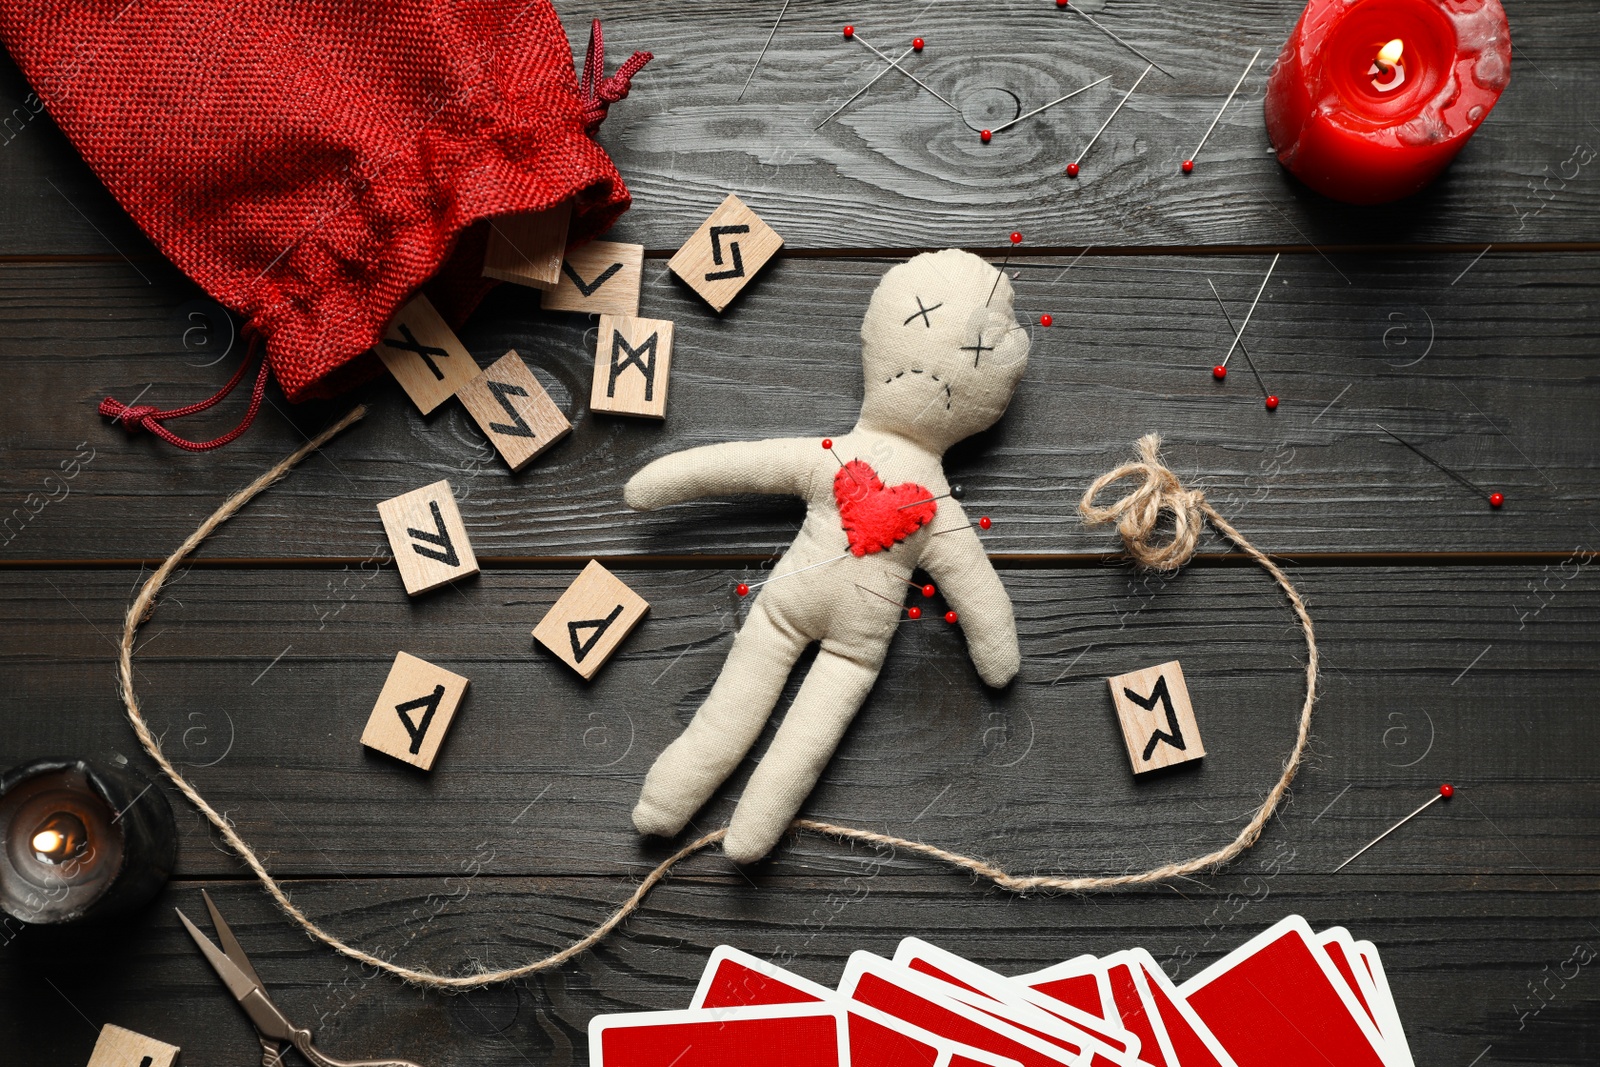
(527,248)
(513,410)
(591,618)
(124,1048)
(414,710)
(725,253)
(428,540)
(424,355)
(602,277)
(632,360)
(1158,723)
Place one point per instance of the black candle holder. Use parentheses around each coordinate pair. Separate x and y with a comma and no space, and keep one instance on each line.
(81,841)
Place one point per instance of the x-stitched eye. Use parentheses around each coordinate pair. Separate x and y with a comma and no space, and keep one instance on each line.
(977,348)
(923,311)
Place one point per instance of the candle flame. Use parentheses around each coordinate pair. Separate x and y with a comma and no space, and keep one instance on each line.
(47,841)
(1389,54)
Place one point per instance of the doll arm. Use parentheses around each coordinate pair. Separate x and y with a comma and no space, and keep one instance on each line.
(779,465)
(963,573)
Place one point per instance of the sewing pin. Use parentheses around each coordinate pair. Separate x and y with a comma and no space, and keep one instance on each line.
(956,493)
(827,442)
(1114,37)
(743,588)
(912,613)
(1051,104)
(981,524)
(1072,168)
(865,87)
(927,590)
(1220,371)
(1271,401)
(1495,499)
(1016,239)
(1446,791)
(916,46)
(764,48)
(1188,164)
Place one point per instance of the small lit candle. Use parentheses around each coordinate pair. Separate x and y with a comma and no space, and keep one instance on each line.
(79,841)
(1370,99)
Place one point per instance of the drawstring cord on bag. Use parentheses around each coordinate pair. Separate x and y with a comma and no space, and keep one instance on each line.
(599,92)
(136,417)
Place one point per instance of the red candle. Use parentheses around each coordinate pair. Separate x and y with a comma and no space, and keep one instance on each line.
(1370,99)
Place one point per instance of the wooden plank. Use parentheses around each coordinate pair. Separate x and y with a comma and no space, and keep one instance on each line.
(1492,375)
(1464,956)
(898,169)
(1429,674)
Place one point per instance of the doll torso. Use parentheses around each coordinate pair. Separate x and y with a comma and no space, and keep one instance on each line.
(834,602)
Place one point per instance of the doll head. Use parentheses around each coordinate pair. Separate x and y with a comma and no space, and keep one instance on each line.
(941,351)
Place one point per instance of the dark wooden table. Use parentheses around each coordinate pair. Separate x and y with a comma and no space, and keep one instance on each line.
(1459,642)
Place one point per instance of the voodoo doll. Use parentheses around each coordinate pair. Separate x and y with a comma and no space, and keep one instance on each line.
(942,355)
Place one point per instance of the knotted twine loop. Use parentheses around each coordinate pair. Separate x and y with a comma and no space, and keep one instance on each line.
(1136,514)
(599,92)
(136,417)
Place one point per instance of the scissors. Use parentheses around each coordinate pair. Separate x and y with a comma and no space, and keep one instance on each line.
(275,1032)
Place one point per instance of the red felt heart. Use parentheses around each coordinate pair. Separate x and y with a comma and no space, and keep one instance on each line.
(874,517)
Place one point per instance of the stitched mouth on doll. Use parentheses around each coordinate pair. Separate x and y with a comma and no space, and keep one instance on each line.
(944,391)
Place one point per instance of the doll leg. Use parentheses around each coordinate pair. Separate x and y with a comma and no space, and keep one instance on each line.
(828,700)
(692,767)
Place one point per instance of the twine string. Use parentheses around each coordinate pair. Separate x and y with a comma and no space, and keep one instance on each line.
(1136,515)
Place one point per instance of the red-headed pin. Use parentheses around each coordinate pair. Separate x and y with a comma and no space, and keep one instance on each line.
(1446,791)
(1046,320)
(1219,372)
(742,589)
(913,614)
(985,136)
(1016,237)
(951,617)
(849,31)
(1496,499)
(916,44)
(982,524)
(1272,403)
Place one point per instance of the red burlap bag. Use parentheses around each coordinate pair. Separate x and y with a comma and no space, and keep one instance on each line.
(312,164)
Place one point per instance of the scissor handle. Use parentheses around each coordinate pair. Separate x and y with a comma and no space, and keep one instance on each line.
(302,1041)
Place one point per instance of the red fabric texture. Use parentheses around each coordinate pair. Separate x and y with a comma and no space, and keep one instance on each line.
(312,164)
(875,517)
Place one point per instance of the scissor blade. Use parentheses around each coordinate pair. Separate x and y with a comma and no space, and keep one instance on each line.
(237,982)
(230,944)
